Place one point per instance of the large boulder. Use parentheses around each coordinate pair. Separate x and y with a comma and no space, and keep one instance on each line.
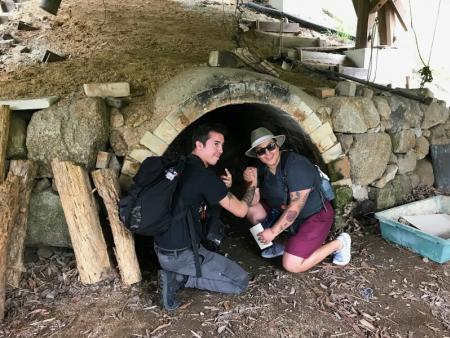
(46,222)
(393,193)
(16,148)
(369,157)
(73,130)
(353,114)
(403,141)
(405,113)
(434,114)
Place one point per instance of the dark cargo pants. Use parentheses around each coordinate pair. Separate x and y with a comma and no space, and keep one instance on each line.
(219,273)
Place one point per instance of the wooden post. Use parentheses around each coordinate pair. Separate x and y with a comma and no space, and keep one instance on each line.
(85,231)
(107,186)
(26,172)
(5,118)
(386,17)
(364,20)
(9,206)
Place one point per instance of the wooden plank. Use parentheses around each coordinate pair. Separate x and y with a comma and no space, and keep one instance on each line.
(289,41)
(402,13)
(330,58)
(273,26)
(386,20)
(376,5)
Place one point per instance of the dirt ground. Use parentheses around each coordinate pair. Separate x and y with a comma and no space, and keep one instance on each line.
(386,291)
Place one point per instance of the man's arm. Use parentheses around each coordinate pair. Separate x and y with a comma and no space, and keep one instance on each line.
(297,202)
(238,207)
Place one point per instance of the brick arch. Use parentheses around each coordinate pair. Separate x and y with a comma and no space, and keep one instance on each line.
(192,94)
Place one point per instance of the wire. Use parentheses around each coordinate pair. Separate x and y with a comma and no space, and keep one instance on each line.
(373,34)
(425,72)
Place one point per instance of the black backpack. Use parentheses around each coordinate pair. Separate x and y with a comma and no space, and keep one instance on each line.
(151,205)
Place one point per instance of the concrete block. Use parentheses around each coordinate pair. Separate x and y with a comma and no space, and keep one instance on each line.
(166,132)
(332,154)
(103,159)
(30,104)
(140,154)
(346,88)
(113,89)
(154,143)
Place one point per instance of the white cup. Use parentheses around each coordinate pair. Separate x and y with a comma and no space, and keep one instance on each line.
(255,230)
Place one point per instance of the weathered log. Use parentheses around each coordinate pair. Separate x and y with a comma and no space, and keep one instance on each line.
(26,171)
(9,207)
(81,214)
(108,188)
(5,117)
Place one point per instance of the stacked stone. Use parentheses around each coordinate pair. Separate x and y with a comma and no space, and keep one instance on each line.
(386,141)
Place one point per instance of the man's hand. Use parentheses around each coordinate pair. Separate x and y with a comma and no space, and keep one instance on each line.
(227,178)
(266,236)
(250,175)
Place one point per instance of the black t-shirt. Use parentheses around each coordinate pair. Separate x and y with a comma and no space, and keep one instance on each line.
(301,175)
(197,184)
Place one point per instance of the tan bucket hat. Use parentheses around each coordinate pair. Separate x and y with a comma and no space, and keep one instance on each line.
(262,135)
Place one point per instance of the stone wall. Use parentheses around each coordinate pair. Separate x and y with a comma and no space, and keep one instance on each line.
(386,141)
(375,145)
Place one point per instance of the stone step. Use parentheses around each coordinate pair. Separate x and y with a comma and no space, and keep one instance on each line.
(30,104)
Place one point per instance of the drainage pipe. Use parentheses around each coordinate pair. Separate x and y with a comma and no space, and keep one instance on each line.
(398,91)
(303,23)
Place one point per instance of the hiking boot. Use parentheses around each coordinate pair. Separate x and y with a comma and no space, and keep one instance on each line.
(277,249)
(342,256)
(169,283)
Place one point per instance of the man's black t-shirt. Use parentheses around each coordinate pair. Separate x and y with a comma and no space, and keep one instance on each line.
(197,184)
(301,175)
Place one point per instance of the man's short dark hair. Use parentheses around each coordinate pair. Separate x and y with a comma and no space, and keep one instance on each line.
(201,133)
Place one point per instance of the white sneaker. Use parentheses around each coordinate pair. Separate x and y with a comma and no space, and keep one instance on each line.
(343,256)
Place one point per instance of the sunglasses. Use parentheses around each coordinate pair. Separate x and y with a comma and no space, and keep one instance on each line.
(261,151)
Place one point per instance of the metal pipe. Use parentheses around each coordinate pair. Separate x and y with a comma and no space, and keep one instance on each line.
(330,74)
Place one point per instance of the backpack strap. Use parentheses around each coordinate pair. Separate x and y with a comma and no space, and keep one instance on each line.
(283,168)
(191,222)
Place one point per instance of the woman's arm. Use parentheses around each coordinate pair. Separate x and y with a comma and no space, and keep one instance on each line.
(297,202)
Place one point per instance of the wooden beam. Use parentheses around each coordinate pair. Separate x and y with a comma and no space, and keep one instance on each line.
(376,5)
(386,24)
(400,7)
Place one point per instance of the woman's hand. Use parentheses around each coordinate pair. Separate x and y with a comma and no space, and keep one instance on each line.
(227,178)
(266,236)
